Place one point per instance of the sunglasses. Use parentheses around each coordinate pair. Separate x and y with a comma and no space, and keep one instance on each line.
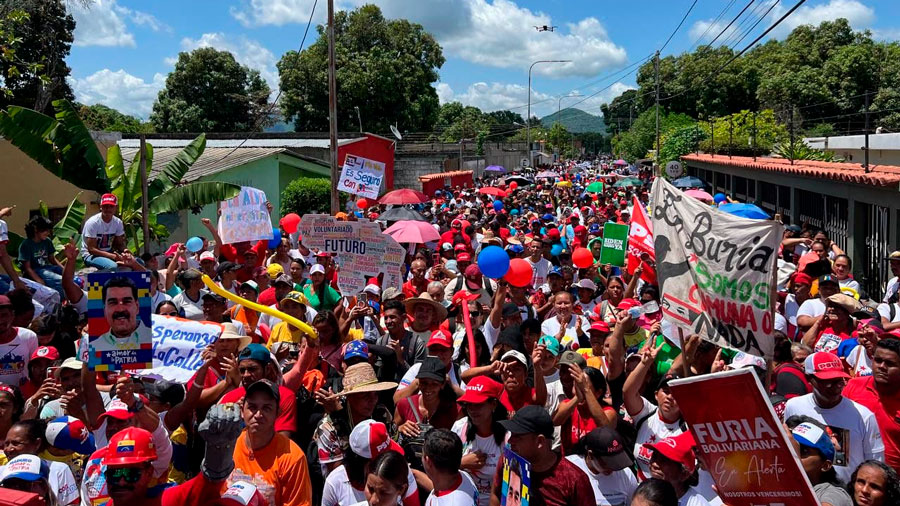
(129,474)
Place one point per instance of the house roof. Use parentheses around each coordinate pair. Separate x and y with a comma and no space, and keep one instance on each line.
(878,175)
(212,161)
(242,143)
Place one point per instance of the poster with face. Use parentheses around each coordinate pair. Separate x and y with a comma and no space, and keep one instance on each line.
(516,480)
(119,328)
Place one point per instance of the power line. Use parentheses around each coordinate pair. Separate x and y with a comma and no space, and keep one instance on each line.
(686,14)
(757,23)
(712,24)
(731,23)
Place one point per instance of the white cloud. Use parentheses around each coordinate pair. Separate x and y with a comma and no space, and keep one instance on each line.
(246,51)
(496,96)
(277,12)
(119,90)
(102,23)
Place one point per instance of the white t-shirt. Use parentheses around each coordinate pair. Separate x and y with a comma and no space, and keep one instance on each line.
(541,269)
(852,424)
(614,489)
(15,355)
(892,286)
(96,228)
(859,361)
(849,283)
(551,326)
(790,309)
(693,498)
(650,431)
(339,492)
(4,231)
(413,371)
(555,395)
(465,494)
(61,481)
(193,309)
(484,478)
(884,310)
(812,307)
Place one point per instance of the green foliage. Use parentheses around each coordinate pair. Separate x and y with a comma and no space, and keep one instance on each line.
(101,118)
(620,113)
(209,91)
(384,67)
(734,133)
(458,122)
(821,130)
(575,121)
(679,142)
(799,150)
(306,195)
(637,142)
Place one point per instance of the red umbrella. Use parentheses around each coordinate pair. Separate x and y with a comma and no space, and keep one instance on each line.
(490,190)
(416,232)
(403,196)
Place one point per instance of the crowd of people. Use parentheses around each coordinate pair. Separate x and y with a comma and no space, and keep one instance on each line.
(387,404)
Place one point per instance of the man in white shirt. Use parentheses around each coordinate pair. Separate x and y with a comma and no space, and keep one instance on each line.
(853,426)
(550,370)
(539,265)
(103,235)
(814,308)
(894,283)
(441,458)
(607,464)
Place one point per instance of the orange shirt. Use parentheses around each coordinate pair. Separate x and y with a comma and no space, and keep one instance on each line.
(279,471)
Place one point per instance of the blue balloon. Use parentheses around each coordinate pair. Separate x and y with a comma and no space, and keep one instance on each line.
(556,249)
(194,244)
(498,205)
(719,198)
(276,238)
(493,262)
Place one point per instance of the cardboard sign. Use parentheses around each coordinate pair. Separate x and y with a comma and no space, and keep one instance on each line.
(177,346)
(362,250)
(716,271)
(361,176)
(245,217)
(119,321)
(516,480)
(742,444)
(615,244)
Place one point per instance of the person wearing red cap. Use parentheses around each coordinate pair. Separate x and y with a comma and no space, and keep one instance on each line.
(103,236)
(798,293)
(854,426)
(41,360)
(455,234)
(673,460)
(440,345)
(481,432)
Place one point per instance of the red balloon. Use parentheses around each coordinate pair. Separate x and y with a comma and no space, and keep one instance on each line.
(513,185)
(362,204)
(290,222)
(582,258)
(519,273)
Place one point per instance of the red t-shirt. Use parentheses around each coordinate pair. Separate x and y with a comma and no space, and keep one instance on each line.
(245,272)
(887,414)
(287,416)
(561,485)
(410,290)
(576,427)
(519,403)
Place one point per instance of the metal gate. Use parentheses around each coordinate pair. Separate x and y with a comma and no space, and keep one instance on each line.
(826,213)
(875,268)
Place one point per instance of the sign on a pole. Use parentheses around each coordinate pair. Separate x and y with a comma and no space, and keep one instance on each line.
(615,244)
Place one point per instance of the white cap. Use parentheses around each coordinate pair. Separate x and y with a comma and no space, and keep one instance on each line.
(207,255)
(588,284)
(514,355)
(742,360)
(317,268)
(373,289)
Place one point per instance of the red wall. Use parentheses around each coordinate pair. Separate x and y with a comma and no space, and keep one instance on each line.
(375,148)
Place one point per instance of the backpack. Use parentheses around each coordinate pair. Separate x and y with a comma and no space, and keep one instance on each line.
(485,284)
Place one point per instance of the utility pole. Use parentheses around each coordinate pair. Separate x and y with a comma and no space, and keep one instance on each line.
(866,148)
(712,135)
(753,148)
(359,118)
(656,68)
(697,135)
(791,126)
(332,112)
(730,135)
(145,212)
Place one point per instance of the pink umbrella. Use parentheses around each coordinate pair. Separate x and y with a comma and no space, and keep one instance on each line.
(416,232)
(620,162)
(699,195)
(490,190)
(404,196)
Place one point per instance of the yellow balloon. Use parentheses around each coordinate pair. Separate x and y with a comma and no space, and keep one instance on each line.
(306,329)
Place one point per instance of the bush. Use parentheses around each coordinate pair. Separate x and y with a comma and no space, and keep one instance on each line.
(306,195)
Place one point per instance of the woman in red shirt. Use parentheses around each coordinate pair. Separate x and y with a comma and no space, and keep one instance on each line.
(587,410)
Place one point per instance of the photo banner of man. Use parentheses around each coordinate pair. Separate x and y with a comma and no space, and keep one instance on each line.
(716,271)
(119,336)
(742,444)
(516,480)
(245,217)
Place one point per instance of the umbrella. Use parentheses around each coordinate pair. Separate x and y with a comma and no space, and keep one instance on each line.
(745,211)
(519,180)
(415,232)
(699,195)
(404,196)
(628,181)
(547,173)
(688,182)
(490,190)
(494,168)
(620,162)
(402,214)
(595,187)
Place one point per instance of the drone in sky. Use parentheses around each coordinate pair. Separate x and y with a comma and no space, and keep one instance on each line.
(545,28)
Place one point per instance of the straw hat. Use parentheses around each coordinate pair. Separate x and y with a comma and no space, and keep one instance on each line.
(424,298)
(229,331)
(360,378)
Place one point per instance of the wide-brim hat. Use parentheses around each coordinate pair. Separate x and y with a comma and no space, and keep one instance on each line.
(439,310)
(229,331)
(360,378)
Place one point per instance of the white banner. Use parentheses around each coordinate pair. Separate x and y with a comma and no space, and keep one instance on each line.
(178,345)
(716,271)
(245,217)
(361,176)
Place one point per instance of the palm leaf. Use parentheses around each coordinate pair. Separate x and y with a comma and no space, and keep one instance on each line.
(175,170)
(70,225)
(30,137)
(81,142)
(195,194)
(115,166)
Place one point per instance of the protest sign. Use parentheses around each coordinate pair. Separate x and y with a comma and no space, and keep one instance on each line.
(516,480)
(119,321)
(640,241)
(742,444)
(177,346)
(245,217)
(361,176)
(615,243)
(716,271)
(362,250)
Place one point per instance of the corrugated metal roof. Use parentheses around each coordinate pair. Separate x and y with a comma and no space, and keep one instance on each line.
(212,161)
(243,143)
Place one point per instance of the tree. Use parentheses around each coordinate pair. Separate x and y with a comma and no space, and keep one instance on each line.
(209,91)
(35,72)
(106,119)
(505,118)
(384,67)
(637,142)
(306,195)
(457,122)
(619,113)
(735,133)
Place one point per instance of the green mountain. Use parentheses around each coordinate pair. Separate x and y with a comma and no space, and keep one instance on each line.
(576,121)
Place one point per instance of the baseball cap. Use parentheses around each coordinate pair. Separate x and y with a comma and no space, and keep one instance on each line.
(226,266)
(108,199)
(70,363)
(432,368)
(824,365)
(440,338)
(116,409)
(370,439)
(317,269)
(802,278)
(48,352)
(241,493)
(510,309)
(570,357)
(70,433)
(608,446)
(530,419)
(587,284)
(391,293)
(356,349)
(129,447)
(793,228)
(811,435)
(373,289)
(252,284)
(828,278)
(266,386)
(555,271)
(296,297)
(463,257)
(4,301)
(255,351)
(207,255)
(600,326)
(547,217)
(214,297)
(283,279)
(677,448)
(513,355)
(274,270)
(627,304)
(551,343)
(27,468)
(448,247)
(481,389)
(742,360)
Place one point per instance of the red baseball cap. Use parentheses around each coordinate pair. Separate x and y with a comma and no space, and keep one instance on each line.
(600,326)
(48,352)
(802,278)
(440,338)
(116,409)
(241,493)
(679,448)
(481,389)
(824,365)
(553,233)
(463,257)
(370,439)
(108,199)
(627,304)
(4,301)
(129,447)
(460,247)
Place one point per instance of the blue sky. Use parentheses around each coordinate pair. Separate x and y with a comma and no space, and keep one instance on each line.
(125,48)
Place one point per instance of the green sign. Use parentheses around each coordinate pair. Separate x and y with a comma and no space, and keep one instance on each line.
(615,243)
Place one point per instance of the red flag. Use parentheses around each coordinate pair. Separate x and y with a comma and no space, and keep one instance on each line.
(640,241)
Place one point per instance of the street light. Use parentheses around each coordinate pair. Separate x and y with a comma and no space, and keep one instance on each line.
(558,103)
(528,118)
(358,117)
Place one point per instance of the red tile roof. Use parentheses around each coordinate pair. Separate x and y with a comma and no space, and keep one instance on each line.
(879,175)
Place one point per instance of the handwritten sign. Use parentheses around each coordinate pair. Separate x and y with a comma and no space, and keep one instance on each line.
(362,250)
(516,480)
(716,271)
(119,321)
(615,243)
(361,176)
(742,444)
(177,346)
(245,217)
